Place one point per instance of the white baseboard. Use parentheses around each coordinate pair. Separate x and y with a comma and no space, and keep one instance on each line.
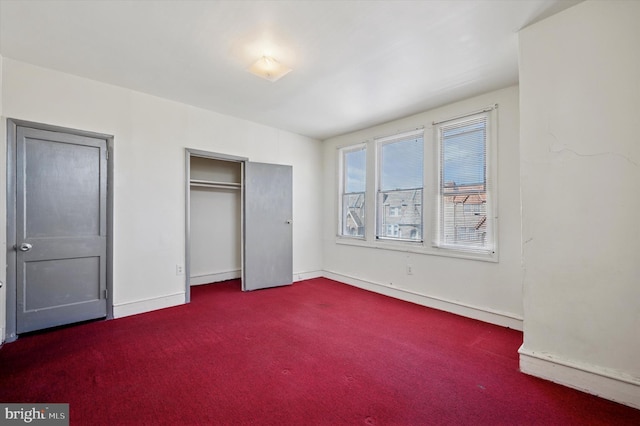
(231,275)
(503,319)
(301,276)
(215,277)
(601,382)
(141,306)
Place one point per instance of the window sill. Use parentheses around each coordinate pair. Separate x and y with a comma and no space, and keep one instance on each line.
(417,248)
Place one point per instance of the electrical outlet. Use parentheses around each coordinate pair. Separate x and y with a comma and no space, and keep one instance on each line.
(179,270)
(409,270)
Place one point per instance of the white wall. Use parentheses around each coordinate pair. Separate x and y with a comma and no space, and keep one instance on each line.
(215,235)
(580,179)
(484,290)
(150,135)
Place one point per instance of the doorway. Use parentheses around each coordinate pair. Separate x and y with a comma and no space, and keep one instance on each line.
(58,221)
(213,218)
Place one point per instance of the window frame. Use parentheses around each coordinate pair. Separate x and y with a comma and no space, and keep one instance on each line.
(342,182)
(428,243)
(490,249)
(379,207)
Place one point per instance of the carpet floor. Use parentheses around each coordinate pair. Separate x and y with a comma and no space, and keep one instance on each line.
(318,352)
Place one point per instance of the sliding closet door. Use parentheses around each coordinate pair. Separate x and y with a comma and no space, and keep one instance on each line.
(268,235)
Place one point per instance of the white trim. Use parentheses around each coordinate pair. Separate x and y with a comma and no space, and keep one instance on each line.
(301,276)
(215,277)
(492,316)
(410,134)
(491,181)
(147,305)
(605,383)
(469,114)
(352,146)
(418,247)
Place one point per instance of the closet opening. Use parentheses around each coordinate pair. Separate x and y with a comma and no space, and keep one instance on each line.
(213,218)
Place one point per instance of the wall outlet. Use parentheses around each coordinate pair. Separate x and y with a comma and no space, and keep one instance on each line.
(409,270)
(179,270)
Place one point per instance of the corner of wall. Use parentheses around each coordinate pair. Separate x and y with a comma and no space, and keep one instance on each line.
(604,383)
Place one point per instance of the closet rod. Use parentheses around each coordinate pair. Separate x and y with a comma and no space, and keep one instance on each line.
(219,185)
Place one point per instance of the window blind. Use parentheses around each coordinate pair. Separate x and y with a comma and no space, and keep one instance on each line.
(463,184)
(463,154)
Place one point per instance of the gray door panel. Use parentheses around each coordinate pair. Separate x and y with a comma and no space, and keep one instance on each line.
(61,190)
(268,235)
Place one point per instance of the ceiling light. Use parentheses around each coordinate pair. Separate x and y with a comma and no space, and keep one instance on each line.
(269,69)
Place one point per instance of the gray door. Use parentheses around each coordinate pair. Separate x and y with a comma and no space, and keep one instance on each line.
(60,234)
(268,235)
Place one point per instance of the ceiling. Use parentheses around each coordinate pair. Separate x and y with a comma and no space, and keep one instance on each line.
(355,63)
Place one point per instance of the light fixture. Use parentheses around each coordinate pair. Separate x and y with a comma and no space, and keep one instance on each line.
(269,69)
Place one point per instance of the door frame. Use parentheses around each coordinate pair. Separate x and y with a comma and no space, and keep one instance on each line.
(11,296)
(189,153)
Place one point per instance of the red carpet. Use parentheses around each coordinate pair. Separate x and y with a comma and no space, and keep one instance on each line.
(315,353)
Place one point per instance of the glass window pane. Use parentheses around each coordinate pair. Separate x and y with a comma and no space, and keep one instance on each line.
(399,199)
(400,214)
(401,164)
(352,223)
(353,218)
(355,171)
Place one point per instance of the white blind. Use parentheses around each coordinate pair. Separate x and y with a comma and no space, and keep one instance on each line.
(464,190)
(464,154)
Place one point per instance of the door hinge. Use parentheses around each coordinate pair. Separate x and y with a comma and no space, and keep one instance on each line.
(107,155)
(106,293)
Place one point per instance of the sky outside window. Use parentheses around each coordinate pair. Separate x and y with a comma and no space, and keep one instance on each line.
(402,165)
(355,169)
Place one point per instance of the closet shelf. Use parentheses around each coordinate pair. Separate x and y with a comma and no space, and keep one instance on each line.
(212,184)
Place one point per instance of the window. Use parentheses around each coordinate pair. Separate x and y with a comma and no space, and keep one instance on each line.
(432,193)
(400,186)
(464,187)
(393,230)
(353,184)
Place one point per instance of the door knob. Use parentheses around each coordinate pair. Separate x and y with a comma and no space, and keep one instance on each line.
(25,247)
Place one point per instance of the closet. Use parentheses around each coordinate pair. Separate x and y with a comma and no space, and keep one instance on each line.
(214,220)
(238,221)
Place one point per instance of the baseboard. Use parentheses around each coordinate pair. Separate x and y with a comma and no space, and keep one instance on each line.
(147,305)
(235,274)
(601,382)
(301,276)
(482,314)
(215,277)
